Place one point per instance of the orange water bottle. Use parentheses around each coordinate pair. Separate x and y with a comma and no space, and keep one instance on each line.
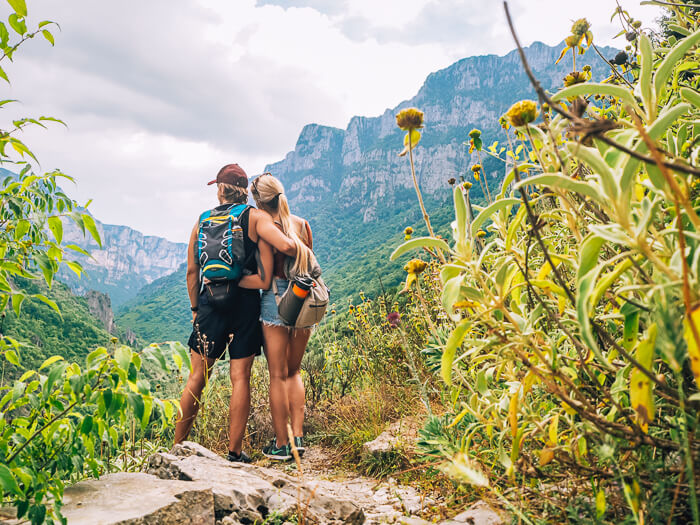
(293,299)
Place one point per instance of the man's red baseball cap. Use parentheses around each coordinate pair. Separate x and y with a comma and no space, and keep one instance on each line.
(231,174)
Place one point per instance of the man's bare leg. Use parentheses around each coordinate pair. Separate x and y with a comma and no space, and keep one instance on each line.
(239,406)
(192,394)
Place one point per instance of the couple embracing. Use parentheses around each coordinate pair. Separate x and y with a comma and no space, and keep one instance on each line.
(232,314)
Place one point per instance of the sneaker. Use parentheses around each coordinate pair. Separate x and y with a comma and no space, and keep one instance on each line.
(238,458)
(282,453)
(299,444)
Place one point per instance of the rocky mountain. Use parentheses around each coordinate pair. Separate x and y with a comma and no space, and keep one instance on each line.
(127,261)
(357,168)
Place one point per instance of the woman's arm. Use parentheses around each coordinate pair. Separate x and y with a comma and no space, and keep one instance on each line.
(270,233)
(193,282)
(257,280)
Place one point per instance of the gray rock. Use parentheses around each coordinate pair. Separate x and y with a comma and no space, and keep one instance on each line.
(481,513)
(250,493)
(138,499)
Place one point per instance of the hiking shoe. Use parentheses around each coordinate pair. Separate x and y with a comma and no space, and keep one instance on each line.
(282,453)
(299,444)
(238,458)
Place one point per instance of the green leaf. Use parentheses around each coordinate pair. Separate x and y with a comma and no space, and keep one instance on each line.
(592,88)
(645,85)
(86,427)
(56,371)
(594,159)
(17,23)
(460,215)
(92,228)
(8,482)
(17,300)
(95,356)
(691,96)
(12,357)
(48,36)
(589,255)
(486,213)
(75,267)
(123,357)
(51,360)
(137,404)
(585,290)
(19,6)
(665,69)
(557,180)
(3,75)
(21,229)
(52,304)
(56,227)
(453,342)
(147,409)
(450,295)
(421,242)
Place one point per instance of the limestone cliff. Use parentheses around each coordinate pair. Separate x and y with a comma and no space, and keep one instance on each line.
(358,169)
(126,262)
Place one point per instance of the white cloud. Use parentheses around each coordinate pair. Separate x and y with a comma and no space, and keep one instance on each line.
(158,95)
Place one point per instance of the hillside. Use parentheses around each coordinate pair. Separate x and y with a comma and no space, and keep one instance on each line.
(161,312)
(43,332)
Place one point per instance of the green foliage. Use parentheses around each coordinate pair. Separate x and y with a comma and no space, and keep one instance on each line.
(60,420)
(64,421)
(575,348)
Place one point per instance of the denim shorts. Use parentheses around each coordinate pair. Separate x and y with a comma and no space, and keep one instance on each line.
(269,315)
(268,305)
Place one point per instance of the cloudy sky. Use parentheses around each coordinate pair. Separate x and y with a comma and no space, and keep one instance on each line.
(159,94)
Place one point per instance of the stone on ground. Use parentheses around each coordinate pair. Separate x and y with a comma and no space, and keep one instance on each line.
(138,499)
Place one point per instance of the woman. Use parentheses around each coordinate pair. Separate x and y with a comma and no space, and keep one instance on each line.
(284,345)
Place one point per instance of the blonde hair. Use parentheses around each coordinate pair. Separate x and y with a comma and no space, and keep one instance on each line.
(269,196)
(228,193)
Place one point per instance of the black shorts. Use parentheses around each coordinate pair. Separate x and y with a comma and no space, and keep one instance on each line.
(236,328)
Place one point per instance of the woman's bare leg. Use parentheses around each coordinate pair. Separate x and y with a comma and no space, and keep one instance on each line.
(276,342)
(295,384)
(192,394)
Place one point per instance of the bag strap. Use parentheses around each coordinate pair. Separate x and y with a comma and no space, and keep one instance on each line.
(276,291)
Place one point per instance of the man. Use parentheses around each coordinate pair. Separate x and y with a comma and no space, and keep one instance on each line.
(233,324)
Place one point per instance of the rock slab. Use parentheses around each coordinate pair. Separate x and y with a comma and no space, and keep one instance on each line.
(249,493)
(138,499)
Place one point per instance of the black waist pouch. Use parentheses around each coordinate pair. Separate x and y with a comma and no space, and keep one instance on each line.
(221,294)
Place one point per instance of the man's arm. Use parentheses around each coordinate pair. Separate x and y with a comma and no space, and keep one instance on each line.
(270,233)
(193,282)
(255,280)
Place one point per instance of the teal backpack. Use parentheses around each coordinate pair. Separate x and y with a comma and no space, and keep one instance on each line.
(220,247)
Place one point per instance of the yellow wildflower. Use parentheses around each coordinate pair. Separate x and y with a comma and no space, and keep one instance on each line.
(409,119)
(408,231)
(576,77)
(413,268)
(476,168)
(522,113)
